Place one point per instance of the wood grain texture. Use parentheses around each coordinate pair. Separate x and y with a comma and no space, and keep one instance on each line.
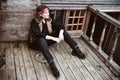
(21,62)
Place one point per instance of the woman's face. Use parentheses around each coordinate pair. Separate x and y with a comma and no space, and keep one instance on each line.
(45,13)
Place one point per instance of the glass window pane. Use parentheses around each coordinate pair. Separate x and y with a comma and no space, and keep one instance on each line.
(71,13)
(76,20)
(79,27)
(69,28)
(70,20)
(77,13)
(74,27)
(82,13)
(81,20)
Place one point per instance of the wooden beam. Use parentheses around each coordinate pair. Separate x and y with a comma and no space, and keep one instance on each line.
(105,16)
(116,10)
(81,2)
(107,8)
(87,21)
(67,7)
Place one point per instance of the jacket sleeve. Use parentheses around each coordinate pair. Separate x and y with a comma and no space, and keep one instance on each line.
(36,30)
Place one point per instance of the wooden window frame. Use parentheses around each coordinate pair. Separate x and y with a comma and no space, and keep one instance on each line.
(67,16)
(78,22)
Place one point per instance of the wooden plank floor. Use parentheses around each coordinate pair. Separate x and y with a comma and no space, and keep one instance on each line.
(22,65)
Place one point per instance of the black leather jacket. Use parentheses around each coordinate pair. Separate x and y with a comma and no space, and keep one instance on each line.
(35,32)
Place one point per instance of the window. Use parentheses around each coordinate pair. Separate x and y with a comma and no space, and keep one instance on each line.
(74,20)
(57,15)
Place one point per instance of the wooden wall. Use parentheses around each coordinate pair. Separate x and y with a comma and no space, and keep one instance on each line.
(15,18)
(16,15)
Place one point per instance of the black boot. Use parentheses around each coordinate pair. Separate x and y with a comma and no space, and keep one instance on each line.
(78,53)
(54,69)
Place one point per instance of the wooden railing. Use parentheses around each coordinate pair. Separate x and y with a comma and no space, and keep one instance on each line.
(107,58)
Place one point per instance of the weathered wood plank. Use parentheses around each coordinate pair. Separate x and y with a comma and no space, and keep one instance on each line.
(67,7)
(91,69)
(10,64)
(65,68)
(17,65)
(71,64)
(79,64)
(2,49)
(98,67)
(2,66)
(44,71)
(88,2)
(107,71)
(22,64)
(14,25)
(48,72)
(19,4)
(2,73)
(16,15)
(107,8)
(62,75)
(19,34)
(39,71)
(28,64)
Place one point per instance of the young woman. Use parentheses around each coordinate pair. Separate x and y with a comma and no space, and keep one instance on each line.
(45,31)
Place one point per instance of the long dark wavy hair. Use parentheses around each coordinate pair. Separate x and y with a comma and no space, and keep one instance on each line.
(38,9)
(39,18)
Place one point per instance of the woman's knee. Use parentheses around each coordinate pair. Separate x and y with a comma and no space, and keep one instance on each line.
(41,39)
(42,42)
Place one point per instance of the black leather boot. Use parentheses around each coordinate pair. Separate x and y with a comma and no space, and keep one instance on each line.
(54,69)
(78,53)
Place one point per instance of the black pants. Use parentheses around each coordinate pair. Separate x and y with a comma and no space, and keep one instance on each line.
(43,45)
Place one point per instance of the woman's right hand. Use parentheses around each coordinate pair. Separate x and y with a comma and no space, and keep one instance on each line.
(57,40)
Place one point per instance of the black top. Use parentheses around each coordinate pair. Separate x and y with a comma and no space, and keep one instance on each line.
(55,28)
(45,29)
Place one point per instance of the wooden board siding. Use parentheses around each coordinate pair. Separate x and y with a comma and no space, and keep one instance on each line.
(81,2)
(22,65)
(19,4)
(14,25)
(15,18)
(77,4)
(15,15)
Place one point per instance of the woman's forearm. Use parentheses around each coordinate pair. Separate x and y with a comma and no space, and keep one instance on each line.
(49,37)
(61,36)
(61,32)
(53,38)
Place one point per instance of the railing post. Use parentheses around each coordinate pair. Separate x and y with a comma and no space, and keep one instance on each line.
(114,46)
(102,37)
(93,28)
(87,21)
